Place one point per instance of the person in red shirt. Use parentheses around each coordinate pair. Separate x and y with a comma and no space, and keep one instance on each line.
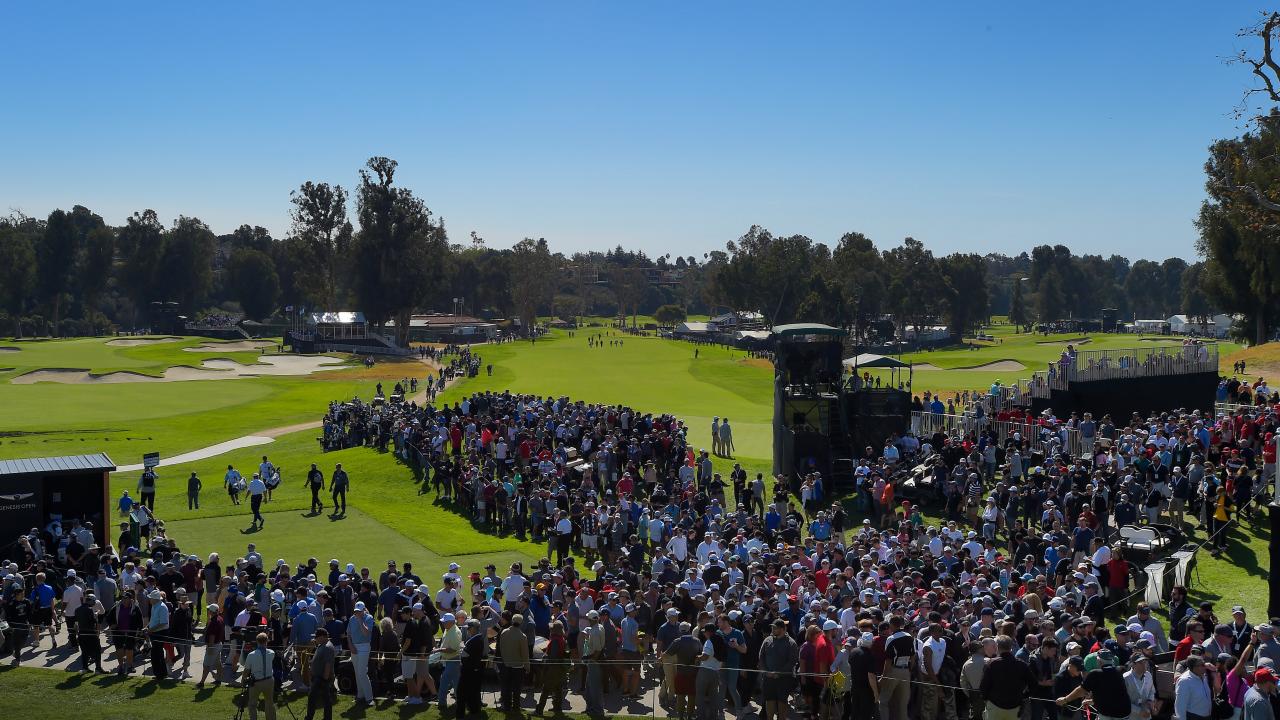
(1194,636)
(1117,579)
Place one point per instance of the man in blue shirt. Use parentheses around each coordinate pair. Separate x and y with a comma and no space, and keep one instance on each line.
(302,634)
(772,520)
(42,597)
(737,643)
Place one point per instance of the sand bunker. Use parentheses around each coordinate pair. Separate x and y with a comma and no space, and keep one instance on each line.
(1069,341)
(238,346)
(10,349)
(134,342)
(209,370)
(997,366)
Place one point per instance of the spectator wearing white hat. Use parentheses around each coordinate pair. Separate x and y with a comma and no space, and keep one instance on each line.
(359,641)
(450,651)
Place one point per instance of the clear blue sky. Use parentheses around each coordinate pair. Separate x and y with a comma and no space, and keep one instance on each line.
(671,127)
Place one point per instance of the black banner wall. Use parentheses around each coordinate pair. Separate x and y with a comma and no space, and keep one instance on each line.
(20,505)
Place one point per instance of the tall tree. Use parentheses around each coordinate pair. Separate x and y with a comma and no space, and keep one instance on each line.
(142,244)
(252,280)
(320,222)
(1171,271)
(1051,299)
(1145,289)
(1194,298)
(965,295)
(630,285)
(768,274)
(186,269)
(859,271)
(253,237)
(55,263)
(17,266)
(95,265)
(398,252)
(913,283)
(1018,314)
(1240,240)
(533,279)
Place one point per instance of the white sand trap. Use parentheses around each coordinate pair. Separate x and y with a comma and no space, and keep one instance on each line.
(237,346)
(1072,341)
(206,452)
(134,342)
(997,366)
(210,370)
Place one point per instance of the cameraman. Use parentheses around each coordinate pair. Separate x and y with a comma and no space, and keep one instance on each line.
(259,677)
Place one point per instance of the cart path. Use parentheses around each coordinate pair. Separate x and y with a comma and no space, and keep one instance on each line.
(262,437)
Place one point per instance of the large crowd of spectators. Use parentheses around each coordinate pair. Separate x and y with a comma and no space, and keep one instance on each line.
(722,591)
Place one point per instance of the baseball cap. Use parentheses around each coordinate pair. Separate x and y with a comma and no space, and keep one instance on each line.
(1264,675)
(360,605)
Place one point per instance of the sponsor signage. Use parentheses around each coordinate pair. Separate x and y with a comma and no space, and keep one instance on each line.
(21,505)
(151,460)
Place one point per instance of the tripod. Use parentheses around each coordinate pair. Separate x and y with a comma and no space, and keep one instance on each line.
(241,701)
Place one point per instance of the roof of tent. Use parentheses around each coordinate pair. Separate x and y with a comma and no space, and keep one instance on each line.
(871,360)
(806,329)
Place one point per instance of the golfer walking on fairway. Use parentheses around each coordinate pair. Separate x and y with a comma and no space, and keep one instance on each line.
(338,484)
(315,481)
(257,489)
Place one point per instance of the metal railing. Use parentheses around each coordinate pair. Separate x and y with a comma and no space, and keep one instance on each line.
(1227,408)
(1027,432)
(363,349)
(1123,363)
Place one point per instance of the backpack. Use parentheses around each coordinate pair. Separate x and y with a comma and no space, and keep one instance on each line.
(719,647)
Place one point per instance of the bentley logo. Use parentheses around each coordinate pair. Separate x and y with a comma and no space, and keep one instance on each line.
(17,497)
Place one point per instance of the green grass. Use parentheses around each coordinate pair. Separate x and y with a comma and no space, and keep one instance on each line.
(129,419)
(388,514)
(98,357)
(649,374)
(356,538)
(38,694)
